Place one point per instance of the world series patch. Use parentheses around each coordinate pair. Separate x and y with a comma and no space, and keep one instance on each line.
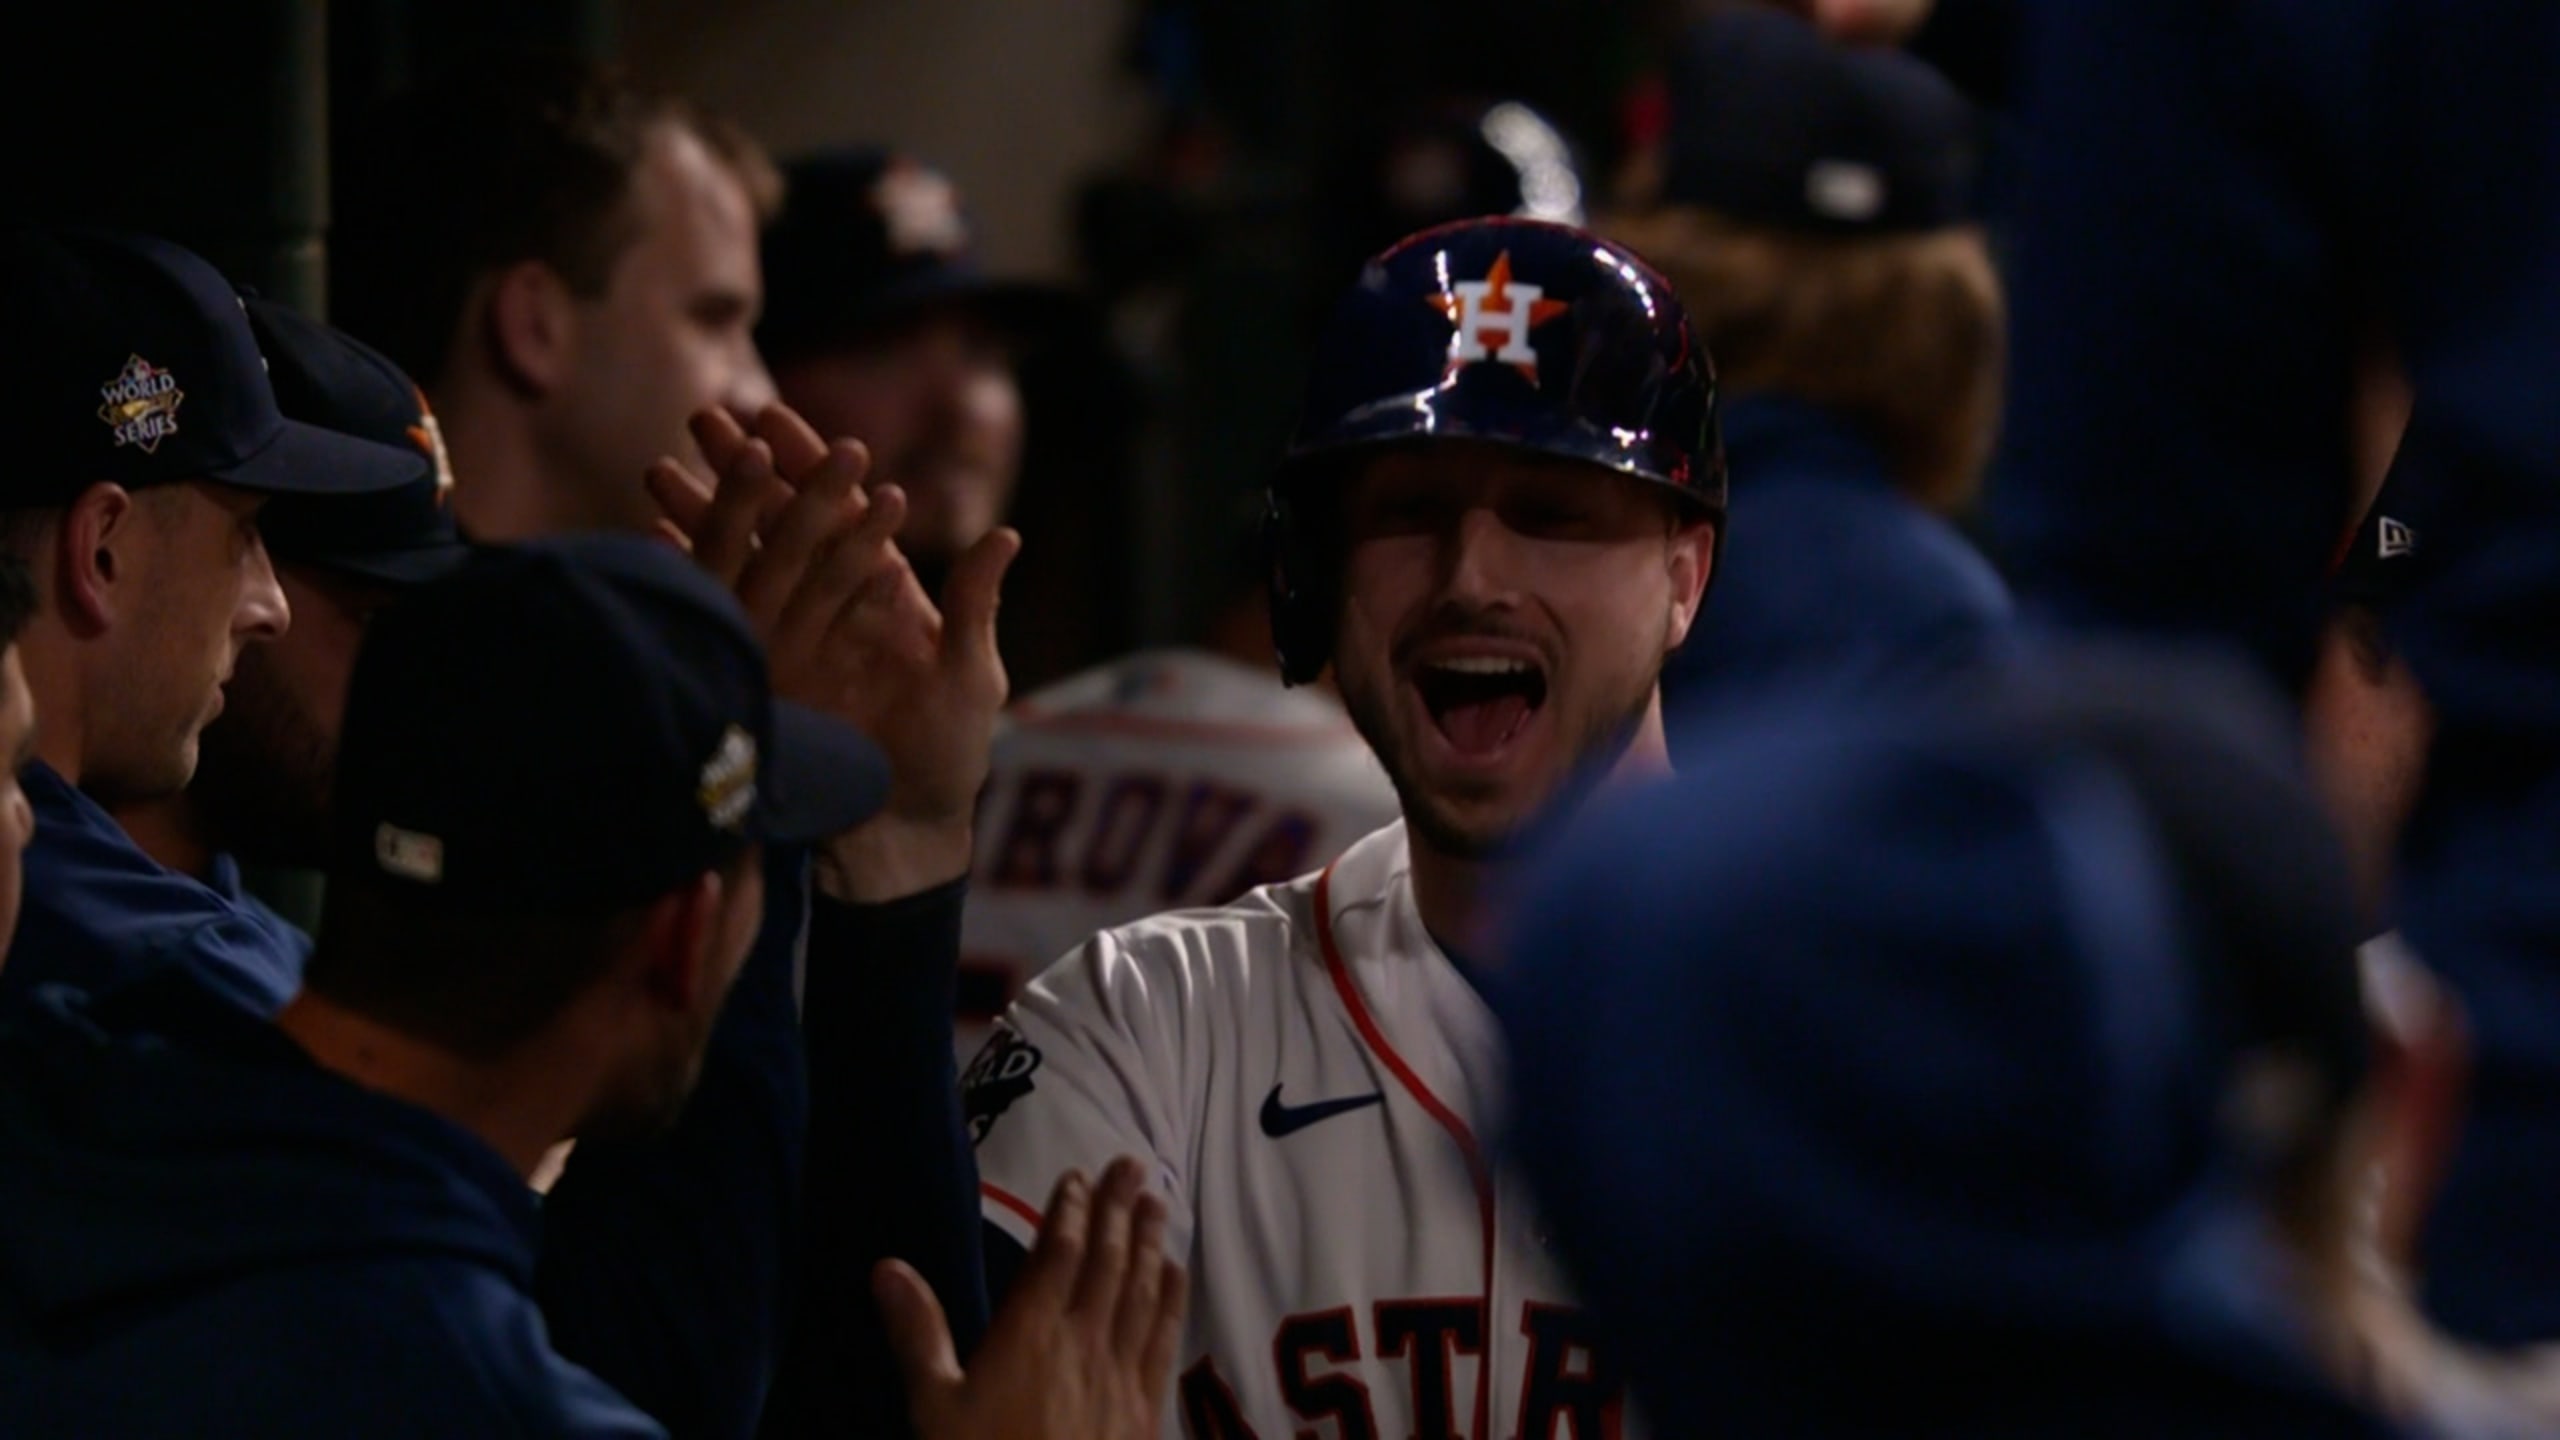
(999,1076)
(140,405)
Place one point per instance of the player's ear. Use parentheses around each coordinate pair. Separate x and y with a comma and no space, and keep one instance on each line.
(531,322)
(1690,558)
(92,551)
(677,969)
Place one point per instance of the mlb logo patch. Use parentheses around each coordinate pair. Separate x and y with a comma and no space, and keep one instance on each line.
(1497,320)
(140,405)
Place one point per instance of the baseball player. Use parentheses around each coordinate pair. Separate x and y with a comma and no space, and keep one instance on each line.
(2221,204)
(1186,776)
(1498,515)
(2018,1126)
(2368,722)
(558,766)
(1817,208)
(1172,777)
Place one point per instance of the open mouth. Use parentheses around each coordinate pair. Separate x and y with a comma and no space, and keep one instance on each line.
(1480,702)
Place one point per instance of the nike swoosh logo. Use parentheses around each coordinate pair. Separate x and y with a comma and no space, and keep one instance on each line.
(1279,1120)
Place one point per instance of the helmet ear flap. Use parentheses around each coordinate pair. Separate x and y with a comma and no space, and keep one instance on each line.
(1300,589)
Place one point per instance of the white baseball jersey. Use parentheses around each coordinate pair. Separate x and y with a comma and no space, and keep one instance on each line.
(1164,779)
(1312,1079)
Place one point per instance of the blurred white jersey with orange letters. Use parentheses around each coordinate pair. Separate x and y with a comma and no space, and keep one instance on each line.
(1164,779)
(1312,1080)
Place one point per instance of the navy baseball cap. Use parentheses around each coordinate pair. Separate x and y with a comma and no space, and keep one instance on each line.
(131,360)
(1906,1073)
(868,238)
(1773,124)
(579,723)
(402,536)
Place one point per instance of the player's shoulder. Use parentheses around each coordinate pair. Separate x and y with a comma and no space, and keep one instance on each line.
(1265,937)
(1182,695)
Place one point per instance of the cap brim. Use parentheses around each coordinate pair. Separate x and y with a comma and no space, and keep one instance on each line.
(823,778)
(308,460)
(1024,309)
(402,569)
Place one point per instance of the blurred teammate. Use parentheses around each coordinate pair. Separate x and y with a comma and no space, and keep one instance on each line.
(1444,157)
(558,768)
(2369,722)
(567,264)
(570,266)
(1168,778)
(17,741)
(879,324)
(150,438)
(2221,207)
(1815,215)
(1998,1133)
(1497,519)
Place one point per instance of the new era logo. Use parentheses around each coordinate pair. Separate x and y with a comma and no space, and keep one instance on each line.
(2394,538)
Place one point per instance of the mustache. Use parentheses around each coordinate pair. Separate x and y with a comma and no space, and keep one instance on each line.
(1461,623)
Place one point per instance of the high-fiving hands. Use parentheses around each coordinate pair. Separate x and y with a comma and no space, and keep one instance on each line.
(811,552)
(1084,1346)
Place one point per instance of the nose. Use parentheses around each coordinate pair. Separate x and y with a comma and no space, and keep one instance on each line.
(1475,558)
(750,387)
(264,613)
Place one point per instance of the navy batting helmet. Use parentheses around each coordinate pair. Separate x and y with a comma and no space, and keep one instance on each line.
(1515,332)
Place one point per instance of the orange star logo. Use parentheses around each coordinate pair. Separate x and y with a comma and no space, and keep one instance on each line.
(1493,319)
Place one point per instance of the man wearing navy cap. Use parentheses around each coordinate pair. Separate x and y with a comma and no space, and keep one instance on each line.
(2222,206)
(1989,1133)
(879,323)
(559,768)
(1815,213)
(2369,721)
(150,437)
(261,793)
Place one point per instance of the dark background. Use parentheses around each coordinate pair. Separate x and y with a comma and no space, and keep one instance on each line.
(1203,167)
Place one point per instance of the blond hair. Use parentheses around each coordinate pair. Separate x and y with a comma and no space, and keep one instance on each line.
(1900,334)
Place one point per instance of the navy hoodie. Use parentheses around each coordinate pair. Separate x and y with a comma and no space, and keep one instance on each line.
(679,1266)
(1834,579)
(204,1232)
(99,913)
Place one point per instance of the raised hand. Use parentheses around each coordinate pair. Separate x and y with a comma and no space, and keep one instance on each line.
(811,554)
(1085,1344)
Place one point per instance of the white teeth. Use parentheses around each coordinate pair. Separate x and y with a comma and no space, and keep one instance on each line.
(1483,665)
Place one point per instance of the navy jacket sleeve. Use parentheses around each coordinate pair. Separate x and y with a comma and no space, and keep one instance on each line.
(891,1172)
(662,1260)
